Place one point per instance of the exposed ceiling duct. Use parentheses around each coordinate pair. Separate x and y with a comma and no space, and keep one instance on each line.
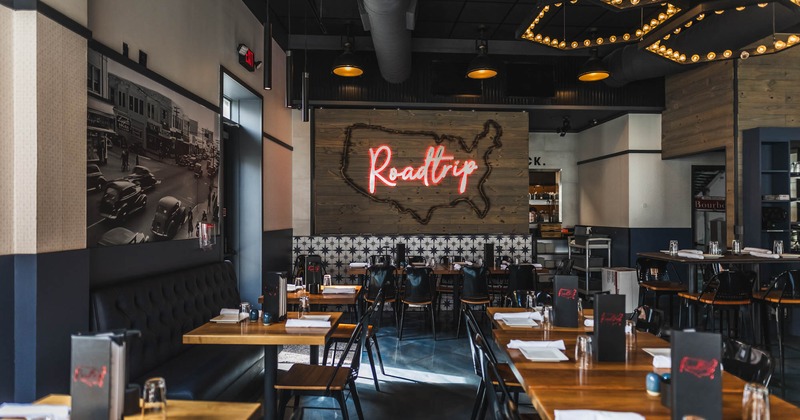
(738,29)
(390,23)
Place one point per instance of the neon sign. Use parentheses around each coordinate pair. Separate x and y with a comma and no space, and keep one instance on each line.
(432,171)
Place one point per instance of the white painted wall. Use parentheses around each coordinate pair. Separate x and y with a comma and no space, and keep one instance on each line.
(73,9)
(301,175)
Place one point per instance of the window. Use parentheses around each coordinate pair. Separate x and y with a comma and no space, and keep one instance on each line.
(93,82)
(130,103)
(226,107)
(122,99)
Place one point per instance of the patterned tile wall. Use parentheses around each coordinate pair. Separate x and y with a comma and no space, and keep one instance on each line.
(339,251)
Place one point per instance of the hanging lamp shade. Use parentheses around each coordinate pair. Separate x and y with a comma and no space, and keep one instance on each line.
(347,63)
(594,70)
(482,67)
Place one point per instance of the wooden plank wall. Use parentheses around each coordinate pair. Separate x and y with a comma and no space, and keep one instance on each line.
(340,205)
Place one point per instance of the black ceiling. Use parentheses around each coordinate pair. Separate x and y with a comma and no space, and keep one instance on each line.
(451,26)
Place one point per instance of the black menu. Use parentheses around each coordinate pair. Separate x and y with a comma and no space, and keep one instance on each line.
(565,301)
(609,328)
(696,371)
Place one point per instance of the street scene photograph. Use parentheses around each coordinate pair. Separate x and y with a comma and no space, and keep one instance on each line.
(152,159)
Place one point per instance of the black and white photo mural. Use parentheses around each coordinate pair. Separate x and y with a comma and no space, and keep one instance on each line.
(152,159)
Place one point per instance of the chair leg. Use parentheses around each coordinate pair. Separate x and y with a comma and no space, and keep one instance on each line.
(779,325)
(342,404)
(325,352)
(283,401)
(402,319)
(458,326)
(378,352)
(296,406)
(356,401)
(372,365)
(476,407)
(433,323)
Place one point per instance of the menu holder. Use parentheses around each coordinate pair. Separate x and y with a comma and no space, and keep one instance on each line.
(696,370)
(565,301)
(274,288)
(98,376)
(609,328)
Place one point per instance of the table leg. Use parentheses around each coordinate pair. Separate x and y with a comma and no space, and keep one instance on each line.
(692,288)
(270,378)
(314,355)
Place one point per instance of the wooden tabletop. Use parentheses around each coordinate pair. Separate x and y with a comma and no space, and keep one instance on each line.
(323,298)
(724,259)
(491,311)
(185,409)
(256,333)
(438,269)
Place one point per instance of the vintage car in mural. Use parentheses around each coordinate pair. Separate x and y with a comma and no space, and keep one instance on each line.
(198,170)
(170,216)
(121,236)
(121,199)
(143,177)
(94,178)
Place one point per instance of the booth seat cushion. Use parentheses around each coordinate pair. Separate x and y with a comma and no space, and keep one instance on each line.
(205,372)
(164,307)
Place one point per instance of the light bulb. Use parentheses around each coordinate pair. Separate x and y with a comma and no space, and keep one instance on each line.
(761,49)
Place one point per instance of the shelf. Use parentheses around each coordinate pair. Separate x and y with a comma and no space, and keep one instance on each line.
(543,202)
(776,201)
(774,171)
(775,230)
(591,269)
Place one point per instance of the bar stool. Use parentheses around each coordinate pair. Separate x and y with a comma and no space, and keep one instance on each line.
(653,277)
(726,291)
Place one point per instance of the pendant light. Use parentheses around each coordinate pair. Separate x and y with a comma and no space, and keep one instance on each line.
(347,63)
(482,66)
(594,69)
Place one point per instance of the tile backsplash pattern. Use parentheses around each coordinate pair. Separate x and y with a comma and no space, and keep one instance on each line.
(339,251)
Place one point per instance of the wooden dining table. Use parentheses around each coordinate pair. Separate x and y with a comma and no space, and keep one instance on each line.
(608,386)
(184,409)
(270,337)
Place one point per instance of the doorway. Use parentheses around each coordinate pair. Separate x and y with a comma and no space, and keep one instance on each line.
(708,206)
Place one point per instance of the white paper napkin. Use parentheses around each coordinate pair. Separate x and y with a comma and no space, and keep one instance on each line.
(338,290)
(694,255)
(499,316)
(516,344)
(226,311)
(537,265)
(662,362)
(359,264)
(307,323)
(764,255)
(691,251)
(588,323)
(34,411)
(754,249)
(596,415)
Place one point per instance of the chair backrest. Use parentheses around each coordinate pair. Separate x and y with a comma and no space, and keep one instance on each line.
(310,268)
(475,282)
(381,277)
(747,362)
(651,270)
(355,343)
(472,331)
(416,259)
(502,406)
(732,285)
(784,283)
(649,320)
(564,267)
(418,285)
(520,277)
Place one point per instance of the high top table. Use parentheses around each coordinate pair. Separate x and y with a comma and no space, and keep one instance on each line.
(269,336)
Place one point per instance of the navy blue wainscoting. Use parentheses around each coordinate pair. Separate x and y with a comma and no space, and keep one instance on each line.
(627,242)
(7,327)
(277,251)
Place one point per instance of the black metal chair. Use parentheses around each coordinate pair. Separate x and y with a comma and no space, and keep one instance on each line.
(564,267)
(653,277)
(503,369)
(725,292)
(649,320)
(520,277)
(780,294)
(380,277)
(343,332)
(474,289)
(326,381)
(445,283)
(747,362)
(418,291)
(499,400)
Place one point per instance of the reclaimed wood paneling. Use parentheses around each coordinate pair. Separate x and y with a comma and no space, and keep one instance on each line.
(342,203)
(769,90)
(699,113)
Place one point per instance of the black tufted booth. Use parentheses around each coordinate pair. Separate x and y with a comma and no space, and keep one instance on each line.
(164,307)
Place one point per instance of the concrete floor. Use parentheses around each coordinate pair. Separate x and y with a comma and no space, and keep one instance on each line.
(427,379)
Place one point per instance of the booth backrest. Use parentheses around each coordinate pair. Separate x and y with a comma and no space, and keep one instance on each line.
(164,307)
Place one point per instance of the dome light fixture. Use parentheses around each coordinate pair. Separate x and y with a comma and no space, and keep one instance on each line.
(482,66)
(594,70)
(347,63)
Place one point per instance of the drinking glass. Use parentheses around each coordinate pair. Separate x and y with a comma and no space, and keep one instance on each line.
(755,402)
(583,352)
(736,247)
(713,247)
(673,247)
(304,306)
(298,281)
(630,334)
(777,247)
(154,399)
(547,316)
(326,280)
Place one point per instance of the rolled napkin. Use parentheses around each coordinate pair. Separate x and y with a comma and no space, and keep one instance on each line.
(662,362)
(499,316)
(359,264)
(537,265)
(692,251)
(34,411)
(226,311)
(764,255)
(596,415)
(307,323)
(694,255)
(588,323)
(293,287)
(752,249)
(516,344)
(338,290)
